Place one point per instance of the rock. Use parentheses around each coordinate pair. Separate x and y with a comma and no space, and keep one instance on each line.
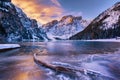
(16,26)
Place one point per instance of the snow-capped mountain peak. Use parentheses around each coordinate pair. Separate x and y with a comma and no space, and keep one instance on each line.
(66,27)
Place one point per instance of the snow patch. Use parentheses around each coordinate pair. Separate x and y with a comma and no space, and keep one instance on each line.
(111,20)
(104,40)
(4,9)
(8,4)
(9,46)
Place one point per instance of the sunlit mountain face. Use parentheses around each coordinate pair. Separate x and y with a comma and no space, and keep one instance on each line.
(45,11)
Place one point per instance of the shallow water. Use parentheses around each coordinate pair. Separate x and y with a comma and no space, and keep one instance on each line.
(100,60)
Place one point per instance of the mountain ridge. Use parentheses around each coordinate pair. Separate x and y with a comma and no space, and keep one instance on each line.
(65,27)
(16,26)
(105,25)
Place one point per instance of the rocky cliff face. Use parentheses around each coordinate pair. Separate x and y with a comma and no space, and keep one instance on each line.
(16,26)
(106,25)
(66,27)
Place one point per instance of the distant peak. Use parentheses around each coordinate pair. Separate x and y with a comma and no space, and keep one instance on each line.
(68,16)
(55,21)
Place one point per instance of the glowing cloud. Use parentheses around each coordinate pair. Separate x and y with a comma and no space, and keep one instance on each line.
(41,10)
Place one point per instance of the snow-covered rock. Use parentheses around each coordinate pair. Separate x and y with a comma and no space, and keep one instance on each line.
(8,46)
(16,26)
(65,28)
(106,25)
(110,17)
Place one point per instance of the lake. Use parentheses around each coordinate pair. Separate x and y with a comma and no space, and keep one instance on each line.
(98,60)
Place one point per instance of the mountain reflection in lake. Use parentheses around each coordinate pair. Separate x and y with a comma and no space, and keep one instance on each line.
(99,60)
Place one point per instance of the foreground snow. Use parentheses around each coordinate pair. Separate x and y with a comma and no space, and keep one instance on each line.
(105,40)
(8,46)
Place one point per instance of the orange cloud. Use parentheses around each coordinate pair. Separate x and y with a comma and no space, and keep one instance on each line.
(40,10)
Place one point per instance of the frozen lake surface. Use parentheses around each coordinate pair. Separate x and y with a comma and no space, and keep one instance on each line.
(98,60)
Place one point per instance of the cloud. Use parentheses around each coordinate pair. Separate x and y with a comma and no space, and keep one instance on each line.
(56,2)
(73,13)
(41,10)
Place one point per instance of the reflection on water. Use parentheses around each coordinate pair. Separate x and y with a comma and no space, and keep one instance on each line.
(98,57)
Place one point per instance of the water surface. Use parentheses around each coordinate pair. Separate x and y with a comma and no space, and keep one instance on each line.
(100,58)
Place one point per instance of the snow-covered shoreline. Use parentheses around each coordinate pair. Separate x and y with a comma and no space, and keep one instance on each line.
(104,40)
(8,46)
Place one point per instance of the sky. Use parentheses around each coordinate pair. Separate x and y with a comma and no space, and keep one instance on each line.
(45,11)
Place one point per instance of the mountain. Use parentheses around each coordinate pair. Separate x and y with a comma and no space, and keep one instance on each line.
(65,28)
(16,26)
(106,25)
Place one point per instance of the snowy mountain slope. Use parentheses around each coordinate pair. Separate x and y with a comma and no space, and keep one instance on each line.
(65,28)
(106,25)
(16,26)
